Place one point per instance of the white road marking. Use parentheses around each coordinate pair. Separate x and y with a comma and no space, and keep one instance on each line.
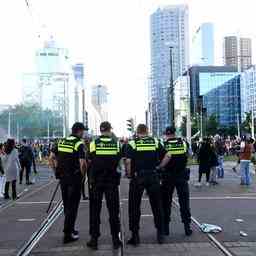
(26,220)
(146,215)
(39,202)
(222,197)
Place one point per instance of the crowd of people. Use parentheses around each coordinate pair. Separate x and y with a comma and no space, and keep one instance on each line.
(17,160)
(210,153)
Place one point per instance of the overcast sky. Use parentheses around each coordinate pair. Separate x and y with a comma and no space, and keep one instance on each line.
(111,38)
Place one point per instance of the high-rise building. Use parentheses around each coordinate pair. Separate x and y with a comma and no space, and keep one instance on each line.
(79,101)
(100,100)
(169,51)
(202,50)
(238,52)
(224,102)
(248,91)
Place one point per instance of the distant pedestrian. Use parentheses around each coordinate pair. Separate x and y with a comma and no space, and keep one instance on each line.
(204,159)
(220,150)
(26,157)
(245,160)
(214,163)
(11,166)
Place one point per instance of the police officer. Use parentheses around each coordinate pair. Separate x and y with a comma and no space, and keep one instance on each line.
(142,157)
(105,154)
(68,160)
(175,175)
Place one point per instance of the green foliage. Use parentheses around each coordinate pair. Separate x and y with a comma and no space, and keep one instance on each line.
(211,125)
(32,121)
(247,123)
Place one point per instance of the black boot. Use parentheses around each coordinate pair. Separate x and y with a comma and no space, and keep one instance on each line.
(68,238)
(166,230)
(135,239)
(160,237)
(6,190)
(93,243)
(188,230)
(117,243)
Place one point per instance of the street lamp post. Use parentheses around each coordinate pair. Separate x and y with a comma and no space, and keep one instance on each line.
(171,91)
(188,126)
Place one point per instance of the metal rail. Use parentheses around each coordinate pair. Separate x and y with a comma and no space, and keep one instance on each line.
(44,227)
(216,242)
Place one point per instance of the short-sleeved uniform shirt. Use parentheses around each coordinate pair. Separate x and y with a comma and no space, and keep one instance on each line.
(145,153)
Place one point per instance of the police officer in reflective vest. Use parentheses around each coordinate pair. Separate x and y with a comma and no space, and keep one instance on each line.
(142,157)
(104,179)
(69,162)
(176,175)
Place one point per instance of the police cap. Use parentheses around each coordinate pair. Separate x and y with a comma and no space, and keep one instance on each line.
(170,130)
(78,127)
(105,126)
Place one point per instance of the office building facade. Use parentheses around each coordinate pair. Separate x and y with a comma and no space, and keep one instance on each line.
(224,102)
(169,36)
(202,50)
(238,52)
(203,79)
(248,91)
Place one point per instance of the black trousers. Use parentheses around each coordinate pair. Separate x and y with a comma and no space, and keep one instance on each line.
(182,187)
(27,166)
(207,174)
(111,193)
(71,195)
(6,189)
(137,186)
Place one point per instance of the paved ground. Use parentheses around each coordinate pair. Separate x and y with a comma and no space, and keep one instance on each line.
(220,205)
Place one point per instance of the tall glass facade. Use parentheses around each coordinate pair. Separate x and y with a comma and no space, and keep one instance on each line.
(248,91)
(206,78)
(203,45)
(224,102)
(211,80)
(169,28)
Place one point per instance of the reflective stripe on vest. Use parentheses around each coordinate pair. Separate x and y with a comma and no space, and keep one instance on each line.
(68,145)
(141,145)
(103,148)
(175,148)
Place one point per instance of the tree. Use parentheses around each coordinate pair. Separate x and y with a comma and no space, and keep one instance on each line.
(194,126)
(31,121)
(211,125)
(247,123)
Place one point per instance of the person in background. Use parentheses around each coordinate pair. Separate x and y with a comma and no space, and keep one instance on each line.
(26,160)
(220,150)
(204,159)
(213,163)
(245,160)
(11,167)
(1,165)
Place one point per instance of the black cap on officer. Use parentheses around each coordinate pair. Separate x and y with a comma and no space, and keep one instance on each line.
(105,127)
(170,130)
(78,127)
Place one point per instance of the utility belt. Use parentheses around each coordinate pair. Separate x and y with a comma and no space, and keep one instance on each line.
(105,177)
(145,173)
(181,175)
(60,173)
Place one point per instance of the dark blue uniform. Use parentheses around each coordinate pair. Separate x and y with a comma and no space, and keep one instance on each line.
(105,154)
(176,175)
(68,152)
(145,154)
